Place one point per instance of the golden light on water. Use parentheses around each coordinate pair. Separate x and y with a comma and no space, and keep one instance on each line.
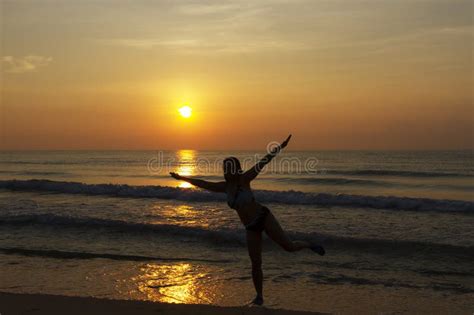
(180,215)
(175,283)
(186,165)
(185,215)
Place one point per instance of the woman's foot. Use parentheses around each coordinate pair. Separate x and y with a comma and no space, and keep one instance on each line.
(318,249)
(257,301)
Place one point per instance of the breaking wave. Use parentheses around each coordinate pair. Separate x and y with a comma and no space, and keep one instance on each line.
(265,196)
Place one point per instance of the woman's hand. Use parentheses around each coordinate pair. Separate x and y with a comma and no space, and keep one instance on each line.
(175,175)
(254,171)
(285,143)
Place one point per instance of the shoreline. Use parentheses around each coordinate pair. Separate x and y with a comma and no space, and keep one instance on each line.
(23,303)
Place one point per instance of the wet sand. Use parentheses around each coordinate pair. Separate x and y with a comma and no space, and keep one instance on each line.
(13,304)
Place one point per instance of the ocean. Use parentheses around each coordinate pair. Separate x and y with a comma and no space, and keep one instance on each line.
(397,227)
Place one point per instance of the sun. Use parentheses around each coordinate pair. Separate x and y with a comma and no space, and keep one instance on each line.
(185,111)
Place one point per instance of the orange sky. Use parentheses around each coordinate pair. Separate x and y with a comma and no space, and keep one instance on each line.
(339,74)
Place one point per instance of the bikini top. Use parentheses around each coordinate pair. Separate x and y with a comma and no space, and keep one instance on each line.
(241,197)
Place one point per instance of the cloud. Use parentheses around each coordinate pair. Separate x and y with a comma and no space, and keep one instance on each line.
(31,63)
(211,27)
(206,9)
(200,46)
(343,29)
(150,42)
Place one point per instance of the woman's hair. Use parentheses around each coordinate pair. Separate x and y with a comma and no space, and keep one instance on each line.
(232,166)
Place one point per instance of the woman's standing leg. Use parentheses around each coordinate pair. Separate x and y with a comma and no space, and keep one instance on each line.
(254,244)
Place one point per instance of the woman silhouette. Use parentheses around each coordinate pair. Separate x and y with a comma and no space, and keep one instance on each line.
(255,217)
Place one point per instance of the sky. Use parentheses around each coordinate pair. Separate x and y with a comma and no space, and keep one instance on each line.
(337,74)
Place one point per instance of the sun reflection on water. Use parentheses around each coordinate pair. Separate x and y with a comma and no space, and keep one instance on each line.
(181,215)
(186,166)
(174,283)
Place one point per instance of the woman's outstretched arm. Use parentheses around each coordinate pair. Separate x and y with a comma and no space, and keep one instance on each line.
(254,171)
(212,186)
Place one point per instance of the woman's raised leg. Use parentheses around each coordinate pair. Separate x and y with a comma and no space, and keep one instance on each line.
(276,233)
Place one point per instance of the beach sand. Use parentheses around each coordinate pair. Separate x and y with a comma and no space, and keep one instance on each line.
(13,304)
